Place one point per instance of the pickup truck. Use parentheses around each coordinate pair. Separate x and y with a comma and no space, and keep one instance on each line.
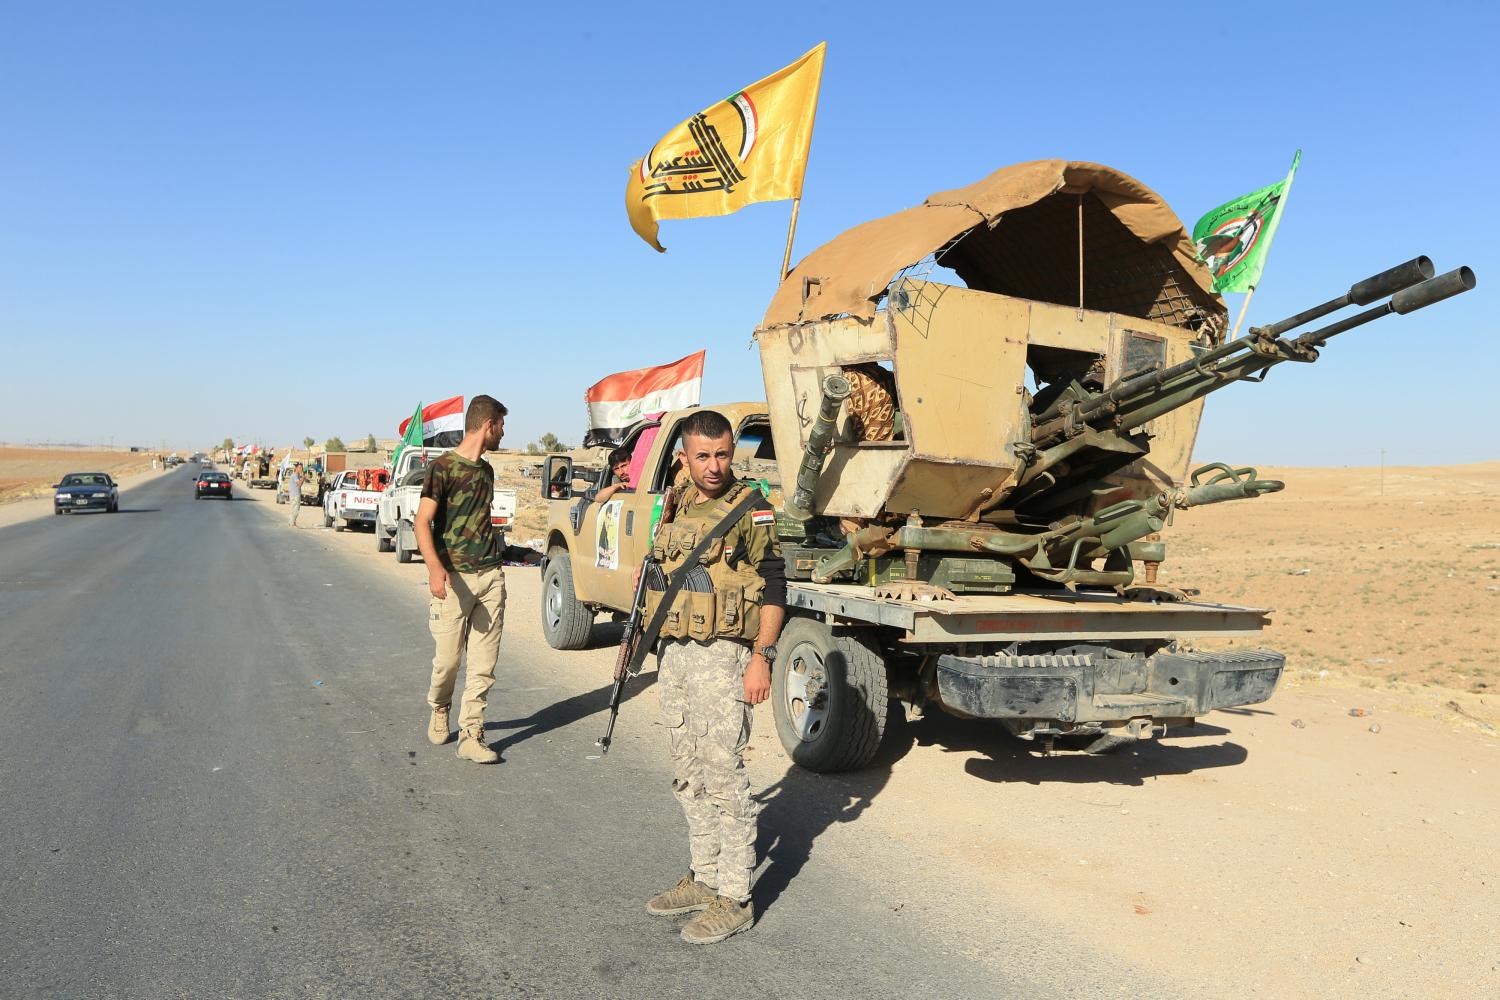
(1054,666)
(345,504)
(395,515)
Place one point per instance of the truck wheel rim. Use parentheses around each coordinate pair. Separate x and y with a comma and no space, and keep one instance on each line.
(554,603)
(804,693)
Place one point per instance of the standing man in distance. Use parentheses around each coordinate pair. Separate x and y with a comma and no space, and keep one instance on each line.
(294,492)
(463,554)
(718,643)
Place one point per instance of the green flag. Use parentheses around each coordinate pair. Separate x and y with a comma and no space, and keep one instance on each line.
(1234,238)
(412,438)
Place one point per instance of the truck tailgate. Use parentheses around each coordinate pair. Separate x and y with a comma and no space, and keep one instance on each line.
(503,508)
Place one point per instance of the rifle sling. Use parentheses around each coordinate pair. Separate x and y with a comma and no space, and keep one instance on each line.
(677,579)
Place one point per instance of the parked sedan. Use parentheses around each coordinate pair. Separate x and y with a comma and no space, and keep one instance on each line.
(212,484)
(86,491)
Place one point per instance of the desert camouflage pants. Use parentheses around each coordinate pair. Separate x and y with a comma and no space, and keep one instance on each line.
(467,624)
(708,724)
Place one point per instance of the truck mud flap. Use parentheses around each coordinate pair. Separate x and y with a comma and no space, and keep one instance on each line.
(1085,688)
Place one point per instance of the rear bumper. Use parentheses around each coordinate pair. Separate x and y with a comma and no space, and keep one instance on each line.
(357,515)
(1084,689)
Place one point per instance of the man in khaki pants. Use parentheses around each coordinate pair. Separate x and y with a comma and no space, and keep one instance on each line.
(463,555)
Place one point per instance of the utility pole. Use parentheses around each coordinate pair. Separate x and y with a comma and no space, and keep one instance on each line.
(1382,472)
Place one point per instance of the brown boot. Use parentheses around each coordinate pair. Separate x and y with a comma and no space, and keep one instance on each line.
(684,897)
(471,746)
(437,726)
(723,918)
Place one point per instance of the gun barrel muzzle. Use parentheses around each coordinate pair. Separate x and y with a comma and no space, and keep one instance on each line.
(836,388)
(1361,293)
(1377,287)
(1444,286)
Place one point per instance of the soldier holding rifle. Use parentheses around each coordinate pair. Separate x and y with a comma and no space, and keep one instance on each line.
(718,601)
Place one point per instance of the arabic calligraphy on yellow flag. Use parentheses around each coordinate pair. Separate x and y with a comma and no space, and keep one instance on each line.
(750,147)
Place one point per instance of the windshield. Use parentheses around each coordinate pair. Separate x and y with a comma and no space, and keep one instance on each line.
(217,477)
(85,479)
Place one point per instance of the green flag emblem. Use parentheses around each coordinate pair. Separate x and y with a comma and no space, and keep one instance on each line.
(1234,238)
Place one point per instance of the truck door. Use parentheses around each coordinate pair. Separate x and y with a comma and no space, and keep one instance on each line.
(616,535)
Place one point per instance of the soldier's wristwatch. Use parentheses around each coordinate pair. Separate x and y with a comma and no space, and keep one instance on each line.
(768,652)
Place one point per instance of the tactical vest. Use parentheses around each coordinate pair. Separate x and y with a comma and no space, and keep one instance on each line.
(728,604)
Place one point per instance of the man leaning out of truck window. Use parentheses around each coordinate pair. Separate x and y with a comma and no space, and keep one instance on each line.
(619,464)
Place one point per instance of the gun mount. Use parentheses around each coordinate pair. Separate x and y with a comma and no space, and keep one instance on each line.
(1044,416)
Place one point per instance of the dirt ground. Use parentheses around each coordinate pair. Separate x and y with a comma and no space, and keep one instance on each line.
(1396,584)
(31,472)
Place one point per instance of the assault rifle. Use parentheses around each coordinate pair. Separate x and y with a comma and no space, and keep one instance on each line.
(629,639)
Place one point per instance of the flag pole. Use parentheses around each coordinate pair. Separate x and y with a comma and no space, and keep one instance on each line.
(791,229)
(791,232)
(1243,307)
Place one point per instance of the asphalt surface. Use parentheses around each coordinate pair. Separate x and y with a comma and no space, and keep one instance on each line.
(214,783)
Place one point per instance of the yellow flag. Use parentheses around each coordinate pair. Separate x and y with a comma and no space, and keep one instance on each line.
(749,147)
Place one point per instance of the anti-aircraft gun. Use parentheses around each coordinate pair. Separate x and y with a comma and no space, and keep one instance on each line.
(987,407)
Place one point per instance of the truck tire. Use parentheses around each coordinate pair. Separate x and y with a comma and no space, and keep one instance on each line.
(566,622)
(382,540)
(403,555)
(829,697)
(327,518)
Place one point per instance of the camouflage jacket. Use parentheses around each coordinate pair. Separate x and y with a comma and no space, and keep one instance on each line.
(462,533)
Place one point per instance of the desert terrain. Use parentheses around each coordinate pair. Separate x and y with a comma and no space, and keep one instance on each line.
(31,472)
(1398,585)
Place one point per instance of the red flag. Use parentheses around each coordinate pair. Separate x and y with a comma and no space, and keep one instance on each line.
(619,401)
(442,423)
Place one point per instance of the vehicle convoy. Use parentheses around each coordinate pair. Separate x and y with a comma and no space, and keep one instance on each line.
(353,497)
(979,470)
(396,513)
(86,491)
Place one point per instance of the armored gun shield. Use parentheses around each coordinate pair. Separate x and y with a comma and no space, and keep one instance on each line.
(1057,273)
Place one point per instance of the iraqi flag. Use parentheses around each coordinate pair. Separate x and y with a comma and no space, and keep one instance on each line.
(442,423)
(620,401)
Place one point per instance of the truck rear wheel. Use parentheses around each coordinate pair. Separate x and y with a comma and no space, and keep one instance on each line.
(565,621)
(382,540)
(829,697)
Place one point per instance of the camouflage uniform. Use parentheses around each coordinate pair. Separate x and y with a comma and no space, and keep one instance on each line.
(703,707)
(472,614)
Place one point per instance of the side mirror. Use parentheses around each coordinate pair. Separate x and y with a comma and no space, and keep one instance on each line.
(557,478)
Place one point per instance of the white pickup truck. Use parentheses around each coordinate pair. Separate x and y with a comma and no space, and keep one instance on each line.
(395,515)
(345,504)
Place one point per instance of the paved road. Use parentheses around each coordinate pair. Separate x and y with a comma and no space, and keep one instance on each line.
(214,784)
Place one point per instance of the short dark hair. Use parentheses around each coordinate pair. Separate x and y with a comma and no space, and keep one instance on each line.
(619,455)
(482,408)
(709,424)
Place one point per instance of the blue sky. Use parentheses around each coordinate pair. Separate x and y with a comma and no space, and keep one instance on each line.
(274,220)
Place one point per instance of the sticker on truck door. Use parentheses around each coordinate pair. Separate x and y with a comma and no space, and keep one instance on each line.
(608,556)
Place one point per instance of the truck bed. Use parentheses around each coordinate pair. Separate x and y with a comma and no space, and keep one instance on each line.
(1030,615)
